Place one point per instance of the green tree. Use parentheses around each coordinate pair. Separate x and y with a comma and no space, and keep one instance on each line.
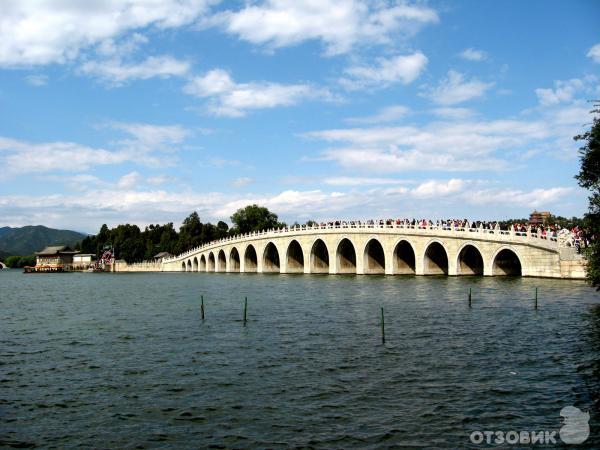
(589,178)
(254,218)
(15,262)
(190,233)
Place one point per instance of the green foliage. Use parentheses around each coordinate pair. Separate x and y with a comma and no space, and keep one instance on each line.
(254,218)
(589,178)
(133,245)
(15,262)
(562,222)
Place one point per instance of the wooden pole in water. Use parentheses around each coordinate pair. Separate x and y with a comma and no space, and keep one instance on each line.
(245,309)
(202,306)
(536,301)
(469,297)
(382,327)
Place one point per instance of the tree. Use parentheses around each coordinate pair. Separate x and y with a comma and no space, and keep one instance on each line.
(254,218)
(20,261)
(589,178)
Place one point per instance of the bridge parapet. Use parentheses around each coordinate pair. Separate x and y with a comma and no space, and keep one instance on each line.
(480,233)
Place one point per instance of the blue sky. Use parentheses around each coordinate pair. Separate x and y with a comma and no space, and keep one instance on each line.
(144,111)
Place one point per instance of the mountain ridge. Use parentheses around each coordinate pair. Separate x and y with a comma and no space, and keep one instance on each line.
(33,238)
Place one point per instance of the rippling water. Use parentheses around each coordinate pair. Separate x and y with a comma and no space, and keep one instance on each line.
(124,361)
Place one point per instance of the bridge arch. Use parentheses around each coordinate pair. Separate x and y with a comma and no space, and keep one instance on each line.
(221,262)
(234,260)
(295,257)
(469,260)
(374,257)
(211,262)
(506,262)
(404,260)
(195,264)
(202,264)
(183,268)
(250,259)
(319,257)
(189,266)
(435,259)
(346,256)
(271,261)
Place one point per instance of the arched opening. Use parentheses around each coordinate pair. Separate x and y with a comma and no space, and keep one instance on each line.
(211,262)
(346,257)
(319,257)
(195,265)
(189,266)
(234,260)
(436,260)
(374,258)
(295,258)
(221,263)
(250,259)
(271,258)
(470,261)
(404,259)
(183,266)
(506,263)
(202,266)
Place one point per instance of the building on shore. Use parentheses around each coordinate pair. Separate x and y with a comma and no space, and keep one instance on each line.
(539,217)
(83,261)
(60,256)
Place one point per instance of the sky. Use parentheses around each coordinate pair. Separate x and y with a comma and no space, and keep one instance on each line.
(143,111)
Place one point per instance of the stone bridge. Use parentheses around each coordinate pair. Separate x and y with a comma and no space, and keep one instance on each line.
(392,249)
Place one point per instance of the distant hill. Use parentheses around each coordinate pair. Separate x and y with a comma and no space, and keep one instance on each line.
(33,238)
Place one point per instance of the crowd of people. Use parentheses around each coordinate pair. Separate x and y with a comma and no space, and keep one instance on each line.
(577,237)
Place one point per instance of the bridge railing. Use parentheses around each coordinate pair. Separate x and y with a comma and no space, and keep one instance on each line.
(511,234)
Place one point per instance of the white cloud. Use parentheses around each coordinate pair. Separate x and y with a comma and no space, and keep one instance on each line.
(141,148)
(242,181)
(115,72)
(159,180)
(398,69)
(470,54)
(453,145)
(387,114)
(149,137)
(565,91)
(594,53)
(436,188)
(363,181)
(37,80)
(454,113)
(507,196)
(129,181)
(231,99)
(455,88)
(339,24)
(88,209)
(46,31)
(24,157)
(118,48)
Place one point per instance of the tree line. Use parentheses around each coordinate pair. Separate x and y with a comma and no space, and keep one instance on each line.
(134,245)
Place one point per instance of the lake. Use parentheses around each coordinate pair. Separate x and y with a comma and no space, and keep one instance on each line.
(125,361)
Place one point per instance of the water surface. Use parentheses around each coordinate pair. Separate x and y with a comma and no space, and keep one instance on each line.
(124,361)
